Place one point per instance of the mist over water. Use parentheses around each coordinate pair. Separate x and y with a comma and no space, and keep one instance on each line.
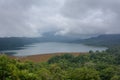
(53,47)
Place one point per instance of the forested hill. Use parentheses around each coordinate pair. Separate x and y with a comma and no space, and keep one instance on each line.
(16,42)
(12,43)
(110,40)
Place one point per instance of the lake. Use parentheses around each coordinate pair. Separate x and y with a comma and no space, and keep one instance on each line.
(53,47)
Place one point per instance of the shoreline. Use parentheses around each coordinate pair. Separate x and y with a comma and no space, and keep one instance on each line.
(43,57)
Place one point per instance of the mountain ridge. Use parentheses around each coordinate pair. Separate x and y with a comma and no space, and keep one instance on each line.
(11,43)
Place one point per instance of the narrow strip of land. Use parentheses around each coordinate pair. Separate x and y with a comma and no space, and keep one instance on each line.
(42,57)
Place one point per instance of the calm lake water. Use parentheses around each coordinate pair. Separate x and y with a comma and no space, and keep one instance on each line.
(53,47)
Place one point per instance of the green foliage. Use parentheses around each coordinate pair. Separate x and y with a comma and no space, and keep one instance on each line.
(84,74)
(116,77)
(44,74)
(57,58)
(97,65)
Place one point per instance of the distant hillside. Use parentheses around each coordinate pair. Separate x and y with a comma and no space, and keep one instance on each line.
(103,40)
(16,42)
(12,43)
(51,37)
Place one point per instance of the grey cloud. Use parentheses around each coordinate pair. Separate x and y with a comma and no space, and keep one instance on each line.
(13,18)
(78,8)
(31,18)
(93,16)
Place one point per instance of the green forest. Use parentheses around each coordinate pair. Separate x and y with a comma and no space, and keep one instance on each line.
(97,65)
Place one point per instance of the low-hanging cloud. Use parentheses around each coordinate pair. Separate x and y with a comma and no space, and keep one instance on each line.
(32,18)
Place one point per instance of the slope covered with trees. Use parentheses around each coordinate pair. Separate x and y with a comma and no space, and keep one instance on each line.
(93,66)
(12,43)
(110,40)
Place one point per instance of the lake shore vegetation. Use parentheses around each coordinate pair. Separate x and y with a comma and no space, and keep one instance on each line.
(97,65)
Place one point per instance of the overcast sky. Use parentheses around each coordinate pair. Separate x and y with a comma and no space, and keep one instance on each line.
(32,18)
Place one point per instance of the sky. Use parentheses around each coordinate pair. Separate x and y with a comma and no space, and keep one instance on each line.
(82,18)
